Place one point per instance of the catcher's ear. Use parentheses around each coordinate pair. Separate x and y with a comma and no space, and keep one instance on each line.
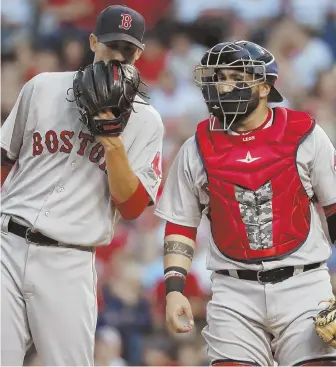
(93,42)
(264,90)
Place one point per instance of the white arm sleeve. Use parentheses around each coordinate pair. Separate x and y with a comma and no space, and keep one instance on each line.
(323,171)
(13,129)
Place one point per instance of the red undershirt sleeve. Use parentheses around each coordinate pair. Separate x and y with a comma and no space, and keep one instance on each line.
(133,207)
(172,228)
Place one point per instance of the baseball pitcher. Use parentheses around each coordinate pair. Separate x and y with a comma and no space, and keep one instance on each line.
(86,150)
(256,173)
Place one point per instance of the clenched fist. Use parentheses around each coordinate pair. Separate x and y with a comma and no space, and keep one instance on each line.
(178,307)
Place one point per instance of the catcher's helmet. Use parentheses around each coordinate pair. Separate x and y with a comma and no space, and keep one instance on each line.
(245,57)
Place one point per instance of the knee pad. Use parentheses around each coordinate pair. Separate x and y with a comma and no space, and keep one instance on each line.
(326,361)
(231,362)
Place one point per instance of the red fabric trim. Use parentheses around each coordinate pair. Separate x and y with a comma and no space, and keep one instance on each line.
(172,228)
(135,205)
(269,115)
(330,210)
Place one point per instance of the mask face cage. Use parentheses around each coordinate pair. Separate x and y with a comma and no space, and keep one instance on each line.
(236,91)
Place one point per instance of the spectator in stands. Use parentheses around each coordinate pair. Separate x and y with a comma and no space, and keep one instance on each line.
(16,22)
(311,14)
(300,56)
(108,347)
(72,54)
(322,102)
(66,18)
(152,61)
(159,351)
(127,310)
(183,56)
(175,100)
(190,353)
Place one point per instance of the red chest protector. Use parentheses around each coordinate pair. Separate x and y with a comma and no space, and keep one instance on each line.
(259,209)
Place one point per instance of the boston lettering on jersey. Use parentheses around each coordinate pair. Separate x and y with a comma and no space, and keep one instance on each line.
(259,209)
(63,143)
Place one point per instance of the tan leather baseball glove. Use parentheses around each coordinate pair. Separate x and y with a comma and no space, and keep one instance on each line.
(325,323)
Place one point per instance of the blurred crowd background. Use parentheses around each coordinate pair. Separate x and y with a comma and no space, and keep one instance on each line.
(52,35)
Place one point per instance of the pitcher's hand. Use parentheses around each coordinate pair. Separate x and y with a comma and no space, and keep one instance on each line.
(110,143)
(178,307)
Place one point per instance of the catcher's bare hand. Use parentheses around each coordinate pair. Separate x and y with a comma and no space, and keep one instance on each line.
(177,307)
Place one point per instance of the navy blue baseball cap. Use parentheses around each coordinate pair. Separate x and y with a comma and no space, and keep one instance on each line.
(120,23)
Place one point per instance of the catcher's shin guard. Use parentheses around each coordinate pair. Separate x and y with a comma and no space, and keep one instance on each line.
(326,361)
(231,362)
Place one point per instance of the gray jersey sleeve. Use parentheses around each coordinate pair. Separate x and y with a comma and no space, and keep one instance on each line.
(13,129)
(146,155)
(323,170)
(182,198)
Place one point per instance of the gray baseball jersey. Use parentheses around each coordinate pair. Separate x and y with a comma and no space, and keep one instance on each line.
(185,195)
(59,184)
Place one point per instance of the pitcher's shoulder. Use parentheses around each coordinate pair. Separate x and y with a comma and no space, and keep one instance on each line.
(50,80)
(146,112)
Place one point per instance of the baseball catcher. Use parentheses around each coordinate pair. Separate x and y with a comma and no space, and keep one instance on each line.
(255,173)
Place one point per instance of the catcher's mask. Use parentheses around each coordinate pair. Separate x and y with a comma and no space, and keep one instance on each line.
(226,75)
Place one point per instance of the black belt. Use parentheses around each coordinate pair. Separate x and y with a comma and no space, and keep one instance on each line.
(269,276)
(38,238)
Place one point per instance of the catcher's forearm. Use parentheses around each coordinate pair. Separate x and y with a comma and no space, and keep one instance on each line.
(178,255)
(122,181)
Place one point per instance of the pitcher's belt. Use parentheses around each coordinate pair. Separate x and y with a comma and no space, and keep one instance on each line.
(268,276)
(39,239)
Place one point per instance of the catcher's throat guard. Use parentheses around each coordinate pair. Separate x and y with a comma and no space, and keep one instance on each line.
(102,87)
